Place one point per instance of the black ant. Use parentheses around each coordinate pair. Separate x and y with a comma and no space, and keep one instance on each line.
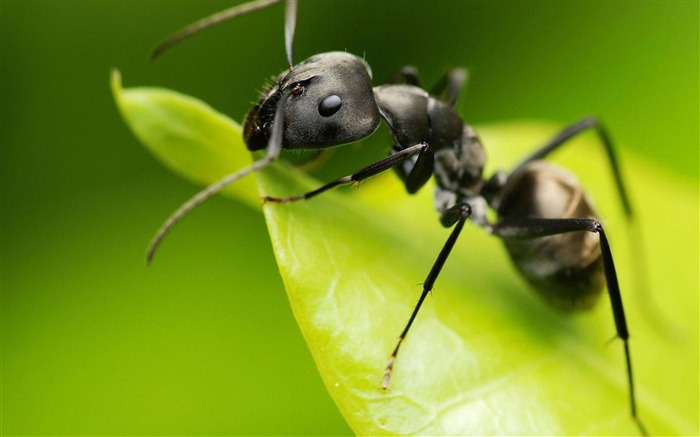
(545,221)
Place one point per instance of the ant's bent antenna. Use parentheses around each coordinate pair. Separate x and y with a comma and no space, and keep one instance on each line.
(218,18)
(290,21)
(274,147)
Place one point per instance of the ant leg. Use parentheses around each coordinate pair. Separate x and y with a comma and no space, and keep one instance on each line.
(538,227)
(408,75)
(573,130)
(447,88)
(450,85)
(456,215)
(369,171)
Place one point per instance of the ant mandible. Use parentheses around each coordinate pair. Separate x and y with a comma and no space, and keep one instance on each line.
(545,221)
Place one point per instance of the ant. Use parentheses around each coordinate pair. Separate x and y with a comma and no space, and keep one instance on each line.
(546,222)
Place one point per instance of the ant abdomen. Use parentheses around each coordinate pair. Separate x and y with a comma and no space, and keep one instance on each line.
(566,269)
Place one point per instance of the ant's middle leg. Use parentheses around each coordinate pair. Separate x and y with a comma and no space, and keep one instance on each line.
(456,215)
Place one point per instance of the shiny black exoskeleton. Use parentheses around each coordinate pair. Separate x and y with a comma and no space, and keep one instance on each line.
(545,221)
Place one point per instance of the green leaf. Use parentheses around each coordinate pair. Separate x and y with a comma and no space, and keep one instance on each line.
(188,136)
(485,355)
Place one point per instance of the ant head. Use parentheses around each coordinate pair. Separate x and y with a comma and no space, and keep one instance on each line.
(331,102)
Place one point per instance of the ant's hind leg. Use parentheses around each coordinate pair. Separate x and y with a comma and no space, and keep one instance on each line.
(571,131)
(530,228)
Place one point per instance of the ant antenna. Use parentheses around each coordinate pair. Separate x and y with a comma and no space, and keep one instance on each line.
(274,146)
(290,21)
(220,17)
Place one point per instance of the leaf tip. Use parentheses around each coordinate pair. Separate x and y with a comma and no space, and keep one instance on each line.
(115,80)
(115,83)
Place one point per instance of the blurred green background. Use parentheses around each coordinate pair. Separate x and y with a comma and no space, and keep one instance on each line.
(204,342)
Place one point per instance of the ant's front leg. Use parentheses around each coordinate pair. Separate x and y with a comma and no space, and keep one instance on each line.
(367,172)
(408,75)
(450,85)
(446,89)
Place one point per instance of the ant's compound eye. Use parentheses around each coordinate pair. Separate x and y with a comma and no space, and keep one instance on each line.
(329,105)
